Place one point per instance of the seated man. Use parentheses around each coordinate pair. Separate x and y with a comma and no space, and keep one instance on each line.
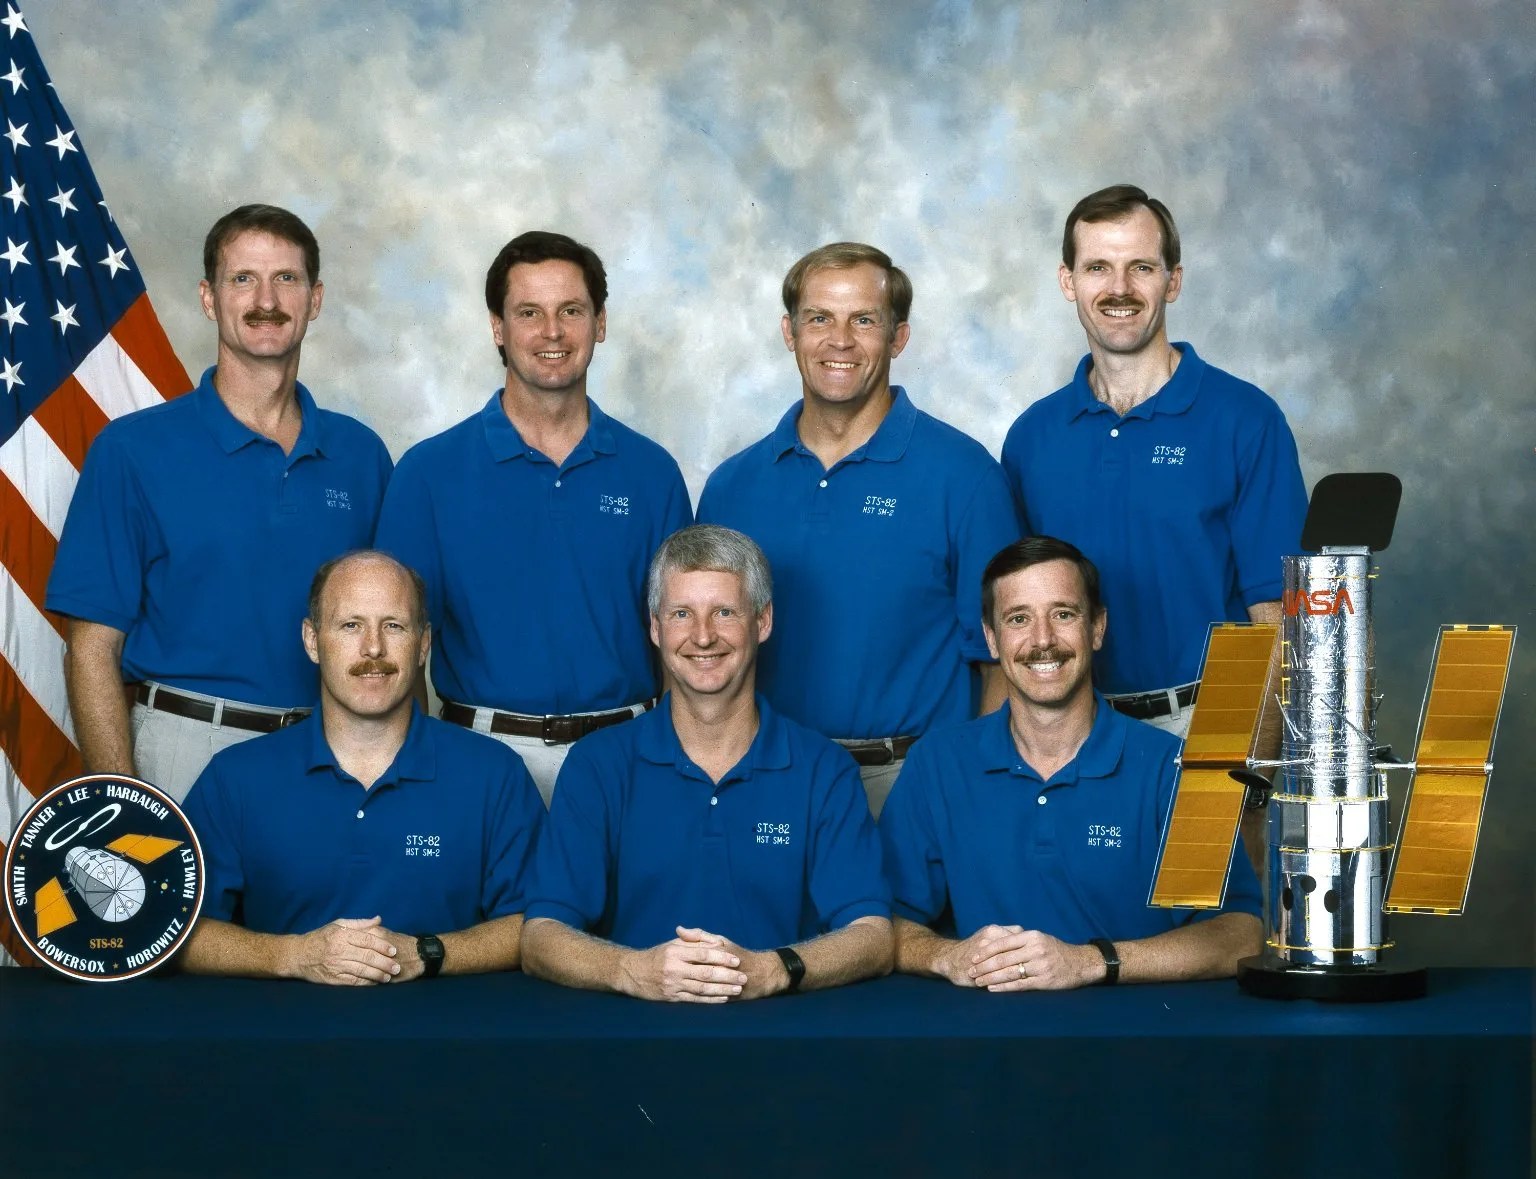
(714,849)
(366,819)
(1039,825)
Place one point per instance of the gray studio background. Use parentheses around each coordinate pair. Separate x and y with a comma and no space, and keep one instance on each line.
(1353,180)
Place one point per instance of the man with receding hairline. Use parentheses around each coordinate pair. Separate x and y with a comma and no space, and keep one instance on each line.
(1178,480)
(877,519)
(196,523)
(368,843)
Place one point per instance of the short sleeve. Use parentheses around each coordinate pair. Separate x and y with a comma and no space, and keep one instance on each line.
(914,862)
(1270,508)
(987,524)
(214,813)
(572,864)
(847,878)
(407,532)
(514,815)
(99,571)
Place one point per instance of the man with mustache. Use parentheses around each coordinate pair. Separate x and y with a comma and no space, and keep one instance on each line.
(532,521)
(1038,827)
(189,543)
(368,843)
(1180,481)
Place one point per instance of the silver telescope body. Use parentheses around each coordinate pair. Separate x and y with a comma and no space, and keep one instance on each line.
(1328,819)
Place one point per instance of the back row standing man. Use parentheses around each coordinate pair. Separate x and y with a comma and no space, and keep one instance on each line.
(533,522)
(186,557)
(1179,481)
(877,521)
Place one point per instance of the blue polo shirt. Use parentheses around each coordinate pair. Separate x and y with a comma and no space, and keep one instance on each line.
(970,823)
(441,842)
(639,840)
(876,569)
(1186,505)
(198,538)
(535,572)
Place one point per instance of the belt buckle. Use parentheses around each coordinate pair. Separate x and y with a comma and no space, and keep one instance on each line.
(546,730)
(291,717)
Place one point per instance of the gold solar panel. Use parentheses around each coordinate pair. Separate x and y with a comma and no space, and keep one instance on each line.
(53,908)
(1207,803)
(1437,838)
(144,848)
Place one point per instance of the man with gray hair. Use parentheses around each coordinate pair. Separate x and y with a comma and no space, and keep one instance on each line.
(710,850)
(878,520)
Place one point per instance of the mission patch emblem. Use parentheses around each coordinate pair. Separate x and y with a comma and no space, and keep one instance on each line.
(104,878)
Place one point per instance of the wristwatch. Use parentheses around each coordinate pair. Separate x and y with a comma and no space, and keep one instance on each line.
(793,964)
(429,947)
(1111,960)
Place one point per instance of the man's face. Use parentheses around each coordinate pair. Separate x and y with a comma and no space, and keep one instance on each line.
(1119,283)
(368,642)
(548,326)
(1042,635)
(706,632)
(842,336)
(261,297)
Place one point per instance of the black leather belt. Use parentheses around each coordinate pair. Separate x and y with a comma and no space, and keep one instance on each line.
(1151,705)
(552,730)
(163,699)
(879,751)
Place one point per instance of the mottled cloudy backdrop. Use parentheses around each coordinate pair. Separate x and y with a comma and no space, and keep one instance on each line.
(1355,181)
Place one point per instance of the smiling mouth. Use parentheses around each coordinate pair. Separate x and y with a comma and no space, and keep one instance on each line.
(839,365)
(551,355)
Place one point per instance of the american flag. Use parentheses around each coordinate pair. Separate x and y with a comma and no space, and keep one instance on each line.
(79,345)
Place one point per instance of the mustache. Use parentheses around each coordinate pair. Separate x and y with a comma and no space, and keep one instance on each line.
(374,667)
(278,317)
(1119,301)
(1047,655)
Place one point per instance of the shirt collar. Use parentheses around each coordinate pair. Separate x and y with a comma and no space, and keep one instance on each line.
(507,443)
(1098,757)
(1174,397)
(887,445)
(658,742)
(416,760)
(231,433)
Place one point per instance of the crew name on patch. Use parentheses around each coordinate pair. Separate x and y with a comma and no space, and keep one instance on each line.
(104,878)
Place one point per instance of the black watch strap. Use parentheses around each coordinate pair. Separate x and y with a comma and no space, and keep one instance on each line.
(792,963)
(1111,960)
(430,949)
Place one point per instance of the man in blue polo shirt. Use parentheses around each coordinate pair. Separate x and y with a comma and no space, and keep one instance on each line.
(713,849)
(532,522)
(1039,826)
(368,843)
(877,519)
(1180,481)
(196,524)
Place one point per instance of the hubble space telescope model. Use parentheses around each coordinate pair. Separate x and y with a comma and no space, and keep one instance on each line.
(1327,886)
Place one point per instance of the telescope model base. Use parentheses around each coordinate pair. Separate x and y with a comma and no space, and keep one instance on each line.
(1272,978)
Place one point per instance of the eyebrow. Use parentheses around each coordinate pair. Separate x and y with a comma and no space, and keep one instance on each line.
(877,311)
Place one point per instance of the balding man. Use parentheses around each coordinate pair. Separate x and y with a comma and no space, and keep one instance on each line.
(368,843)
